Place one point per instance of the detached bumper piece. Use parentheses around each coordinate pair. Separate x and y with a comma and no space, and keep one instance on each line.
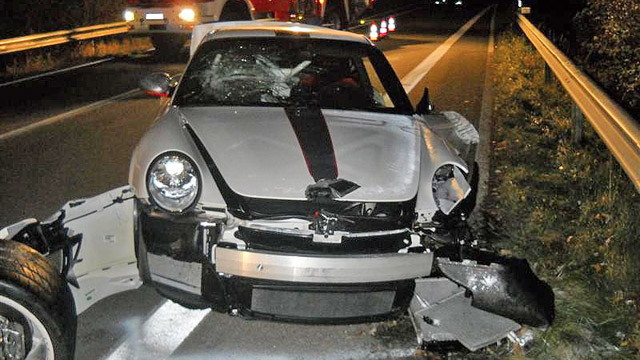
(442,311)
(479,301)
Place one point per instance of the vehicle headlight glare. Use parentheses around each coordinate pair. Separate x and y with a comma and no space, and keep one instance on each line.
(129,15)
(187,14)
(173,182)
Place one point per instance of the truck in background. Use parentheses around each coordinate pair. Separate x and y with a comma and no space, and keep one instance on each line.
(169,23)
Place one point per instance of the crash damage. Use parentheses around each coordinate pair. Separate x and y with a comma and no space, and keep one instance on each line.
(294,260)
(291,179)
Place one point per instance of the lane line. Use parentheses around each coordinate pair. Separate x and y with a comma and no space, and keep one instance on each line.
(63,116)
(49,73)
(160,335)
(485,124)
(412,79)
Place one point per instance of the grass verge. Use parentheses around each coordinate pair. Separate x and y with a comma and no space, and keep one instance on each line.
(46,59)
(567,208)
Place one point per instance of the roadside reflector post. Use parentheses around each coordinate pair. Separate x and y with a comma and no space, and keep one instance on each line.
(373,32)
(392,24)
(383,28)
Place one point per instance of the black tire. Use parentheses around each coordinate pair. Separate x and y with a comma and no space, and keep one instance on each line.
(235,11)
(34,296)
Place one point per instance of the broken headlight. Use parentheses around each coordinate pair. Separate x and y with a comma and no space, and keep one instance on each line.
(173,182)
(449,187)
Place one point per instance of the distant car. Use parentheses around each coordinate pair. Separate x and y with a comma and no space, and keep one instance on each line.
(290,178)
(169,23)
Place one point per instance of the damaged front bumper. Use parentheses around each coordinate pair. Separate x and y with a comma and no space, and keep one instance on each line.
(473,297)
(317,288)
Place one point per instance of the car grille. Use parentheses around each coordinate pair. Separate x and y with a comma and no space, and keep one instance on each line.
(367,243)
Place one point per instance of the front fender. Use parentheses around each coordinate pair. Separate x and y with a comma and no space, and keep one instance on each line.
(435,153)
(169,134)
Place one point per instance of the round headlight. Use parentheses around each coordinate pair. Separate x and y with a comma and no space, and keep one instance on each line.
(129,15)
(173,182)
(187,14)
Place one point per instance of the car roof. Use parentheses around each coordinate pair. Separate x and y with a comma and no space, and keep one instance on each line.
(237,29)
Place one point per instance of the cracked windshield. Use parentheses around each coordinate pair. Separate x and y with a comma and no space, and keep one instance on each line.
(265,72)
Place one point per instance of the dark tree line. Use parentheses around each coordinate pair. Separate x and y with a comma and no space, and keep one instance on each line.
(602,36)
(608,38)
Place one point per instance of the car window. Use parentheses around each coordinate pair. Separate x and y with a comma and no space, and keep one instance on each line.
(284,72)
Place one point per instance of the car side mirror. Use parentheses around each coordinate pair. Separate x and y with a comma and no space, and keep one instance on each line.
(157,84)
(425,106)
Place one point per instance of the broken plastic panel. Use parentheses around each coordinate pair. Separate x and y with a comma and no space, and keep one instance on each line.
(441,310)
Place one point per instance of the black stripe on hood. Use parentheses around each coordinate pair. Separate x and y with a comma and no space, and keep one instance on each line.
(313,135)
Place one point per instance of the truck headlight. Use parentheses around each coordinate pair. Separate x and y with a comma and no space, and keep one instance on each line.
(187,14)
(129,15)
(173,182)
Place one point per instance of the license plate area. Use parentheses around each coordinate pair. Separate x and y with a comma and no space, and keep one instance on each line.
(154,16)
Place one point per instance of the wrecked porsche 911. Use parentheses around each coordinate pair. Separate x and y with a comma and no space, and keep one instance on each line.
(288,174)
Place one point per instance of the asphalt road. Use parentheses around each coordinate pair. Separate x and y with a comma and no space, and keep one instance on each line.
(57,144)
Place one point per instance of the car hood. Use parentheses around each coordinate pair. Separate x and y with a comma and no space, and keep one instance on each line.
(277,153)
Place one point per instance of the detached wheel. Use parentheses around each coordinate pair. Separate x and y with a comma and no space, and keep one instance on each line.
(37,311)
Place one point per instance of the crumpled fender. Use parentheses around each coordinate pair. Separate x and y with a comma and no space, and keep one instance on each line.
(435,153)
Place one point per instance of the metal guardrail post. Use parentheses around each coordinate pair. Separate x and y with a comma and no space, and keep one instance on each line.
(548,75)
(617,129)
(577,121)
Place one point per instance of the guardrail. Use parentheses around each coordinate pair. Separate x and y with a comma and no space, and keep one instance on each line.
(35,41)
(618,130)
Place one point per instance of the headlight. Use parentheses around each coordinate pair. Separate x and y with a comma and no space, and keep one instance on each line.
(173,182)
(449,187)
(129,15)
(187,14)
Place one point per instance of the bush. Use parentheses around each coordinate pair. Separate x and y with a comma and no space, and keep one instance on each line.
(568,208)
(608,35)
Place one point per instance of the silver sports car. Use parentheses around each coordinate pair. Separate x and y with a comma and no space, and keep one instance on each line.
(290,178)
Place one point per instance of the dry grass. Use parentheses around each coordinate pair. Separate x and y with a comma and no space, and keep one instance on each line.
(566,207)
(45,59)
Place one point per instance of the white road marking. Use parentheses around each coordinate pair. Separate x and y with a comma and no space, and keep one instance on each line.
(159,336)
(56,72)
(63,116)
(419,72)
